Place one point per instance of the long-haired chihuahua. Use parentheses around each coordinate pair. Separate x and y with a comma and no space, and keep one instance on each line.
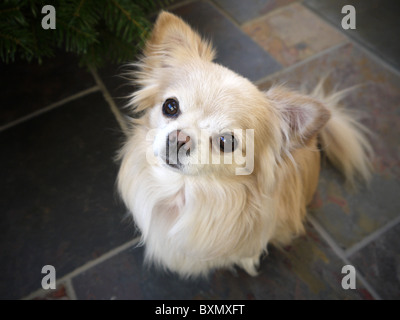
(216,169)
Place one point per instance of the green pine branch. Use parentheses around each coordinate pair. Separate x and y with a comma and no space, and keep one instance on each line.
(95,30)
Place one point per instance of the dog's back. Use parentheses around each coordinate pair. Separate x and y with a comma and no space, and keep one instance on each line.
(343,140)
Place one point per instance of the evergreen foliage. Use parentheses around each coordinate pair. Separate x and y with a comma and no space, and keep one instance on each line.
(95,30)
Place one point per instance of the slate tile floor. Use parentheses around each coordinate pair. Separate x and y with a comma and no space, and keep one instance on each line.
(57,190)
(32,96)
(279,33)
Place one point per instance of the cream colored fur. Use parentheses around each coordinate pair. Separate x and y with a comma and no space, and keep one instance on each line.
(204,216)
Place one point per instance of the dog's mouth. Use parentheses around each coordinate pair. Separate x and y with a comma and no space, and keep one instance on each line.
(171,158)
(173,164)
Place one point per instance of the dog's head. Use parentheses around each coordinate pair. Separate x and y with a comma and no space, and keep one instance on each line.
(205,119)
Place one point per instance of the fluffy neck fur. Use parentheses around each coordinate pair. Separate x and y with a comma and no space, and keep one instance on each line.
(194,223)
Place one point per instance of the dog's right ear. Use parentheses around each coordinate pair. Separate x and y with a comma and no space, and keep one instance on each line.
(173,40)
(171,43)
(302,116)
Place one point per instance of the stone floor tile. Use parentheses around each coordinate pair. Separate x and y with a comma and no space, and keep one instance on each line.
(293,34)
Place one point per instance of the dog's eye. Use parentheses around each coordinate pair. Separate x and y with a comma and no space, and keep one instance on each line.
(170,108)
(227,143)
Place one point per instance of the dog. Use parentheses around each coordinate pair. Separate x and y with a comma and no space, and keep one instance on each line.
(215,169)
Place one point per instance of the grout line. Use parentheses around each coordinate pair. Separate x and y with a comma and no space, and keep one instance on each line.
(324,234)
(365,283)
(373,236)
(300,63)
(50,107)
(67,279)
(363,45)
(177,5)
(230,18)
(221,10)
(376,57)
(70,290)
(101,259)
(328,21)
(340,253)
(270,13)
(114,109)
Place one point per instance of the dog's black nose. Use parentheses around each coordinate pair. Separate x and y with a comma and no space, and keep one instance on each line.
(178,145)
(177,139)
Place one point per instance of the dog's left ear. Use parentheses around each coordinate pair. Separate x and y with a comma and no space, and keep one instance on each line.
(302,116)
(172,38)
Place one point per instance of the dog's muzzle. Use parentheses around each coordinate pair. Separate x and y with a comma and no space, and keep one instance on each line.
(177,150)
